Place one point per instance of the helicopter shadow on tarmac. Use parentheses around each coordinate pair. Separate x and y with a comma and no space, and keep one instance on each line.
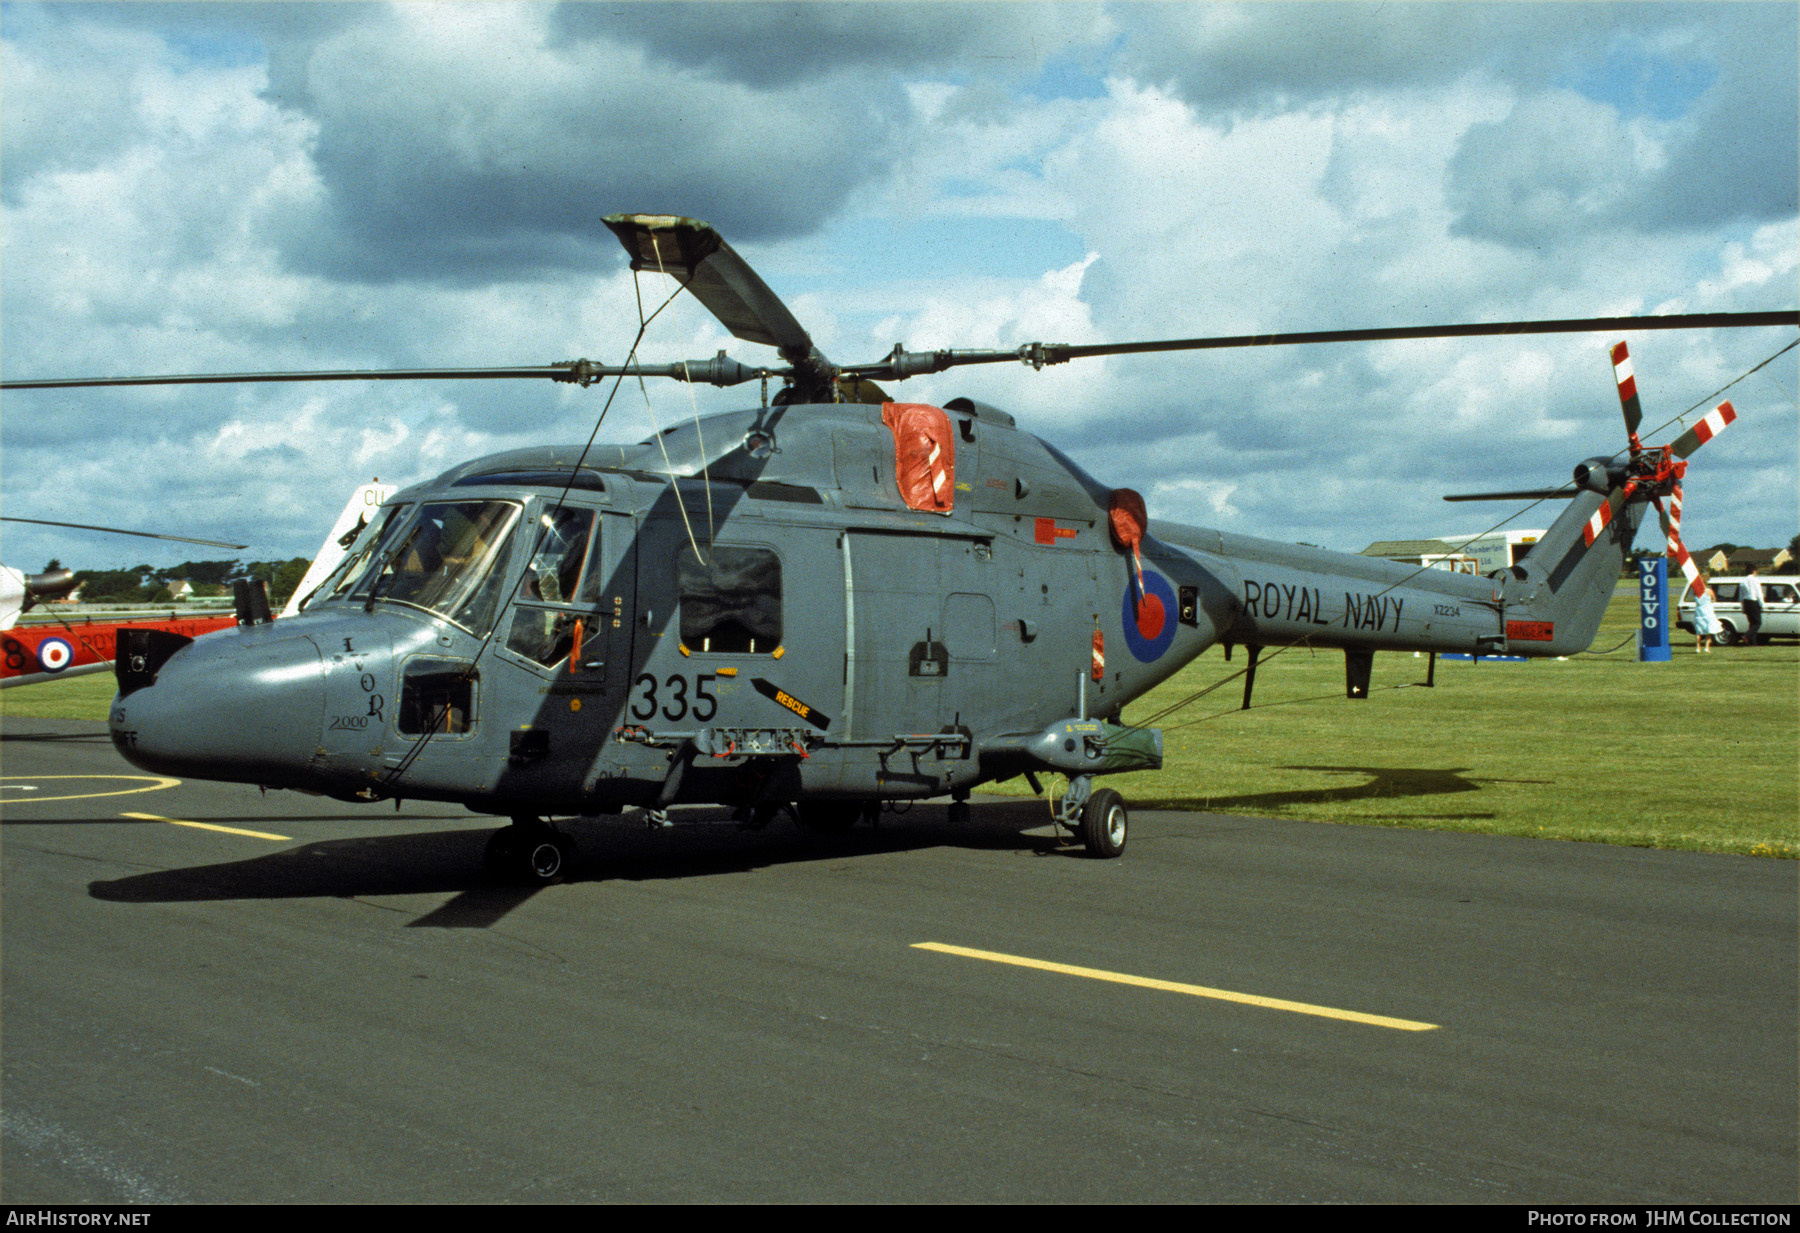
(438,862)
(1382,783)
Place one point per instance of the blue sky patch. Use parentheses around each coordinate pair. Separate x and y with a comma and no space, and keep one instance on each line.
(1640,82)
(874,248)
(1067,77)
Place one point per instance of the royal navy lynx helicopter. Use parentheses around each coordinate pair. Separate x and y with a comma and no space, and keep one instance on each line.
(827,602)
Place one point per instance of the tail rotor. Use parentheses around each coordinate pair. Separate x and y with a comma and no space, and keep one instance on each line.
(1656,471)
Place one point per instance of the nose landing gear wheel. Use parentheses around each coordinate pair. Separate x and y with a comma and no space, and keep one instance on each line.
(1104,823)
(529,851)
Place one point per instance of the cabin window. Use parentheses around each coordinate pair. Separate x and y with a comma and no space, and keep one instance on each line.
(731,601)
(438,696)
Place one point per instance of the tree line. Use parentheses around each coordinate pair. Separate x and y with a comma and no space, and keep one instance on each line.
(145,584)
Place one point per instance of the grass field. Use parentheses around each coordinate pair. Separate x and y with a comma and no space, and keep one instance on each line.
(1701,753)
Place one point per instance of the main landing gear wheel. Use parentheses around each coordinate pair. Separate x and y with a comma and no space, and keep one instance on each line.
(529,851)
(1104,822)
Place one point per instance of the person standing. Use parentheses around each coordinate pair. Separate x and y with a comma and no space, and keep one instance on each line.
(1750,597)
(1706,620)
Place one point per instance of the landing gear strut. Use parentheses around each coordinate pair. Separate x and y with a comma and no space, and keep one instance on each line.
(1097,815)
(529,851)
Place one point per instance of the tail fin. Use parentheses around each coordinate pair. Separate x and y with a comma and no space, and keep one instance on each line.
(1556,596)
(359,510)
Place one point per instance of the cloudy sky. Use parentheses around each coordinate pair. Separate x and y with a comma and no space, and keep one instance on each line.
(215,188)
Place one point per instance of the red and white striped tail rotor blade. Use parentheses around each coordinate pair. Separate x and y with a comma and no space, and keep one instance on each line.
(1677,551)
(1628,396)
(1615,501)
(1717,421)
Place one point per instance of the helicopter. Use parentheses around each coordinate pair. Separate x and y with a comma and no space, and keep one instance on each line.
(64,647)
(826,604)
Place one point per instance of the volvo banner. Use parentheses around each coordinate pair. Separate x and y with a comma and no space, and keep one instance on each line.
(1653,609)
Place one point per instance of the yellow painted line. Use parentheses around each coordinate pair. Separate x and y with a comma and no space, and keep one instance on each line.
(208,826)
(1171,986)
(157,784)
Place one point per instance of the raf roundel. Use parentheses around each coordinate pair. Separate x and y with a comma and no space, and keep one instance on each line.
(1150,619)
(55,654)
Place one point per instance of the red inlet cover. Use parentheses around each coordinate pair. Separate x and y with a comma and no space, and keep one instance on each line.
(1128,519)
(924,455)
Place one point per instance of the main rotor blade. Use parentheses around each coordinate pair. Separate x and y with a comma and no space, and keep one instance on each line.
(82,526)
(902,364)
(1574,325)
(240,378)
(1527,494)
(721,370)
(712,271)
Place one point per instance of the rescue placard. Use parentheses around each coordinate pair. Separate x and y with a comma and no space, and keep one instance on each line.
(781,697)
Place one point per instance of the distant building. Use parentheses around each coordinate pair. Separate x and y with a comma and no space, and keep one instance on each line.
(181,589)
(1468,554)
(1433,553)
(1738,561)
(1496,549)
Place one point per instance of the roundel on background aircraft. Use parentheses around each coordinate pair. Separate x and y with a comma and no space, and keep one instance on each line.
(55,654)
(1149,618)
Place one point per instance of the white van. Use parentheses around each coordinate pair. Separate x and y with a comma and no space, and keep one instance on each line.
(1780,614)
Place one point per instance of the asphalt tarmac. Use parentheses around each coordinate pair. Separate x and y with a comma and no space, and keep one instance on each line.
(329,1002)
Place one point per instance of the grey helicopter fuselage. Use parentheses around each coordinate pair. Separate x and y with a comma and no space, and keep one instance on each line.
(746,609)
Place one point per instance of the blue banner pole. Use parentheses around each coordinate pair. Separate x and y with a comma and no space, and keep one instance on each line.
(1653,610)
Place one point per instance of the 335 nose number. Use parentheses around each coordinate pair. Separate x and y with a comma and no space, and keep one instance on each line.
(645,699)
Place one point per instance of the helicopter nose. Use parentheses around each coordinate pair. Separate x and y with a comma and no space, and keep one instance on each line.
(235,705)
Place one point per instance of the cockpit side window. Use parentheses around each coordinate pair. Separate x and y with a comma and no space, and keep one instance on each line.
(552,611)
(554,572)
(730,602)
